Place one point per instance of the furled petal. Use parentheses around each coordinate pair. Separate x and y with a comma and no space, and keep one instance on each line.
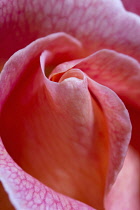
(25,192)
(97,23)
(125,193)
(54,120)
(132,6)
(121,73)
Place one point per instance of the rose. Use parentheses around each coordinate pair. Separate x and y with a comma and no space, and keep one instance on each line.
(17,84)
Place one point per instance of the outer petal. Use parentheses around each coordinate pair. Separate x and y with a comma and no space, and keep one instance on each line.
(125,193)
(132,6)
(25,192)
(97,23)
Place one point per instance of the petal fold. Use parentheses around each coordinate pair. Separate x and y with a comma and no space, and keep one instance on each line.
(119,128)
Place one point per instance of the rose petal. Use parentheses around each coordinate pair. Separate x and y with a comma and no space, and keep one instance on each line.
(132,6)
(25,192)
(97,23)
(118,128)
(125,193)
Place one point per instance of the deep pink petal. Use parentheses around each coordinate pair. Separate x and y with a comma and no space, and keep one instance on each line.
(97,23)
(132,6)
(25,192)
(125,193)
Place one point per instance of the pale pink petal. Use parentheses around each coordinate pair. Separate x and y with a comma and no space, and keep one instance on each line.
(132,6)
(125,193)
(118,127)
(97,23)
(25,192)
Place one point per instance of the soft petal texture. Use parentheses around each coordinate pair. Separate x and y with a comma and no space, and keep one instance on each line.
(132,6)
(97,23)
(25,192)
(58,110)
(125,193)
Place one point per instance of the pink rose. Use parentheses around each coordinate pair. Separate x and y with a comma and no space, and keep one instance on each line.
(65,128)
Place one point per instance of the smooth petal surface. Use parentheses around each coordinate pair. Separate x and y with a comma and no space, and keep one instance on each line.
(25,192)
(125,193)
(97,23)
(132,6)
